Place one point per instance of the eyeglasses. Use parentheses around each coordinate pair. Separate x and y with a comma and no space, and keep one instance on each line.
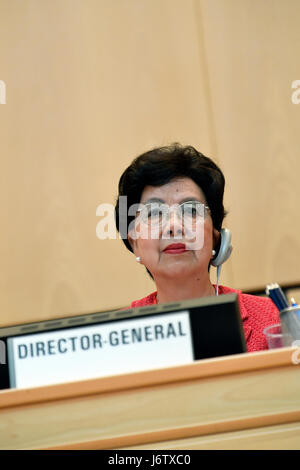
(158,213)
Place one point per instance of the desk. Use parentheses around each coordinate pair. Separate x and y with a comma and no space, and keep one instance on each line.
(244,401)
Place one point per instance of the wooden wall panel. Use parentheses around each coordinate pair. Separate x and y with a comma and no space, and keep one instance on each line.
(91,84)
(251,56)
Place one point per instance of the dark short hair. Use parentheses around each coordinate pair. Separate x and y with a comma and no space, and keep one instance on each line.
(163,164)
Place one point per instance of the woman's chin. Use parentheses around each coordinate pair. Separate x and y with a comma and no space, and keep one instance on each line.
(177,270)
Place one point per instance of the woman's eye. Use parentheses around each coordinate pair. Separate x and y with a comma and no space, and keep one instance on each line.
(190,210)
(154,212)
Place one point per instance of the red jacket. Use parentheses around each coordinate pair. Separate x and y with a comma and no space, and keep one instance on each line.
(256,312)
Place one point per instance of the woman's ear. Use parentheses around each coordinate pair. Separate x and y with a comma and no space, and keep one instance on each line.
(132,239)
(216,239)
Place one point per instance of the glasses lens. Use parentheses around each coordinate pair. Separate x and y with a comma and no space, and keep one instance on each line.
(153,214)
(192,212)
(156,213)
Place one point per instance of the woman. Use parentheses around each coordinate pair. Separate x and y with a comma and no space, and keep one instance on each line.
(177,194)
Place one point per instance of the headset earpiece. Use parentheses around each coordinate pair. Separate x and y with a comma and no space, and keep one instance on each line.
(225,248)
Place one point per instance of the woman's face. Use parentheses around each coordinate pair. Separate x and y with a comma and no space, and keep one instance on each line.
(154,246)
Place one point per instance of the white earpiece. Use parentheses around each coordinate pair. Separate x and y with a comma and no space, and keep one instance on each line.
(225,248)
(223,253)
(138,259)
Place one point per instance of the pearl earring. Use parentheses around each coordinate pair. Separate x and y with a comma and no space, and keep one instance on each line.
(138,258)
(213,253)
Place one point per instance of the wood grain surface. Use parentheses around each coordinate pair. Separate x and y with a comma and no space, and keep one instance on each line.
(158,408)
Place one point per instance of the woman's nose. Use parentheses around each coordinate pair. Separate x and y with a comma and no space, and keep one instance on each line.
(173,226)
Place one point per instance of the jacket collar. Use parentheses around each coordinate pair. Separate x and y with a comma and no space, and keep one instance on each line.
(152,298)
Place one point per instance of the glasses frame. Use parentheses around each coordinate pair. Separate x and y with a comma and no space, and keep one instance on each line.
(179,213)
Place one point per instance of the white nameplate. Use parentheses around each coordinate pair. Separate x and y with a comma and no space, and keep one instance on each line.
(100,350)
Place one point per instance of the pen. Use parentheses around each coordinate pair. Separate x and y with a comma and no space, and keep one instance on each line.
(293,302)
(276,294)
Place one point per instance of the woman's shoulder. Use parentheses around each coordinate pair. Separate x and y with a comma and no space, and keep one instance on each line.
(257,313)
(254,305)
(150,299)
(250,305)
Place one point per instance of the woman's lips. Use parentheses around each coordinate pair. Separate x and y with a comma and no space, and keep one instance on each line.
(175,248)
